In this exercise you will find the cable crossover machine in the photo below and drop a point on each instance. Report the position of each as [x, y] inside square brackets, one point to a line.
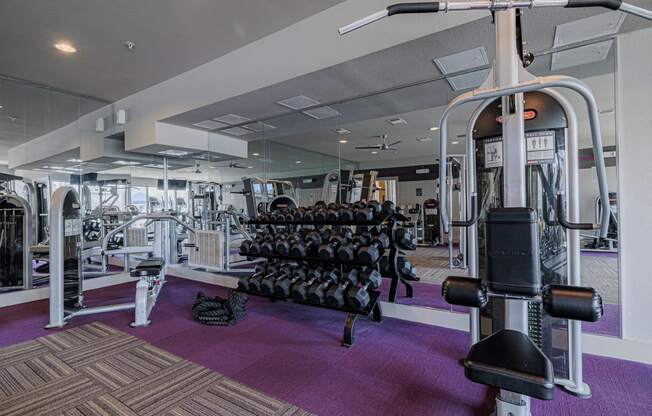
[523, 180]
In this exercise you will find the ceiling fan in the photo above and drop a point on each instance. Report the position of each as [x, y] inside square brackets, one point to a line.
[235, 166]
[383, 144]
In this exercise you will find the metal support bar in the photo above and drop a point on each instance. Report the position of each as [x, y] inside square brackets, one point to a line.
[539, 83]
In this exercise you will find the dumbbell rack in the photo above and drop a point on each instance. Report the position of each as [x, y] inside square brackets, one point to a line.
[373, 309]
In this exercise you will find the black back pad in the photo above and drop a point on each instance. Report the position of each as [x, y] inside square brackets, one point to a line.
[513, 251]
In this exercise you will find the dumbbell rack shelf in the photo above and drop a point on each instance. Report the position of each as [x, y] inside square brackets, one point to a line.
[372, 310]
[373, 223]
[390, 219]
[313, 259]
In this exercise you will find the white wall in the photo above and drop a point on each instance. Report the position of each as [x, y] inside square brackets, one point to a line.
[634, 126]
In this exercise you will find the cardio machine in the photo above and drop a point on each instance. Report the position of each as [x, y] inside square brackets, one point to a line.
[520, 235]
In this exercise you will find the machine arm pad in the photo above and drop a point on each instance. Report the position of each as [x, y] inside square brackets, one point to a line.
[403, 8]
[465, 291]
[572, 302]
[609, 4]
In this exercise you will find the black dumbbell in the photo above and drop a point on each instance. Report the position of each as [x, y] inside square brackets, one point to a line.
[299, 214]
[283, 246]
[317, 291]
[406, 270]
[372, 252]
[346, 214]
[254, 246]
[388, 207]
[245, 246]
[321, 214]
[347, 252]
[405, 239]
[368, 213]
[269, 245]
[333, 213]
[243, 282]
[282, 287]
[308, 244]
[300, 288]
[358, 296]
[368, 252]
[336, 294]
[267, 283]
[255, 284]
[328, 249]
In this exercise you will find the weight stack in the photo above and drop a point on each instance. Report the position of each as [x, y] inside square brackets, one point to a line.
[208, 252]
[137, 237]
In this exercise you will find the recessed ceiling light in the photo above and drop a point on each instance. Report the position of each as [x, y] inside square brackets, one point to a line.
[396, 121]
[298, 162]
[455, 142]
[75, 160]
[172, 152]
[65, 47]
[424, 139]
[344, 141]
[125, 163]
[250, 167]
[435, 128]
[373, 152]
[255, 154]
[0, 107]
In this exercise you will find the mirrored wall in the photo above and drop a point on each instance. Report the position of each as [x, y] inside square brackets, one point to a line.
[393, 134]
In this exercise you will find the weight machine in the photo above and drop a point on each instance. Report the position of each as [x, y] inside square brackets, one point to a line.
[66, 274]
[15, 243]
[259, 193]
[518, 179]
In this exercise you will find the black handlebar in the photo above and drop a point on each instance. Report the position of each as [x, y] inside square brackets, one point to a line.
[571, 225]
[474, 215]
[406, 8]
[609, 4]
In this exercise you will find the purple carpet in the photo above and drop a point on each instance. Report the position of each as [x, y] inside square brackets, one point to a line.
[293, 352]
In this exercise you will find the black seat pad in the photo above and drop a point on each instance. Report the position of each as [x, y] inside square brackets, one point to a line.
[149, 267]
[510, 360]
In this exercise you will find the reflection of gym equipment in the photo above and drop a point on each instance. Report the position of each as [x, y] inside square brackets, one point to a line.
[260, 192]
[15, 243]
[431, 225]
[37, 198]
[343, 186]
[66, 276]
[456, 185]
[609, 243]
[519, 259]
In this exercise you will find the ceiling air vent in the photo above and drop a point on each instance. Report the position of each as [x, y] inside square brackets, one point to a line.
[210, 125]
[321, 113]
[464, 61]
[232, 119]
[298, 103]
